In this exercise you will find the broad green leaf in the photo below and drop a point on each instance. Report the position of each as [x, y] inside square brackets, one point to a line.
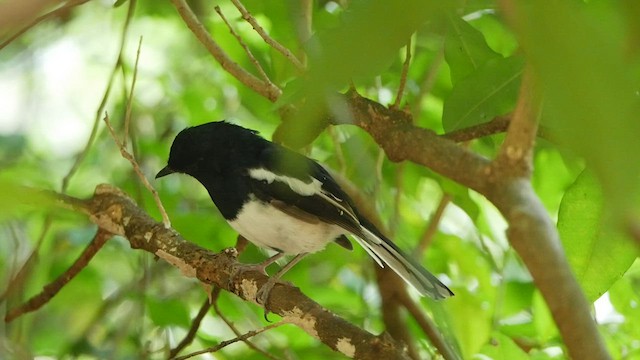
[598, 254]
[465, 49]
[366, 42]
[490, 91]
[579, 51]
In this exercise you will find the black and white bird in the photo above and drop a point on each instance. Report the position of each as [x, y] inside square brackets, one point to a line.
[283, 201]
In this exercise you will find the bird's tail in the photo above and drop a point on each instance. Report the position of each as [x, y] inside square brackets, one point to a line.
[385, 252]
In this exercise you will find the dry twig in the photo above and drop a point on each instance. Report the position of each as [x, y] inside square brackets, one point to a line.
[403, 77]
[246, 15]
[226, 343]
[195, 325]
[432, 228]
[237, 332]
[50, 290]
[263, 88]
[252, 58]
[127, 116]
[127, 155]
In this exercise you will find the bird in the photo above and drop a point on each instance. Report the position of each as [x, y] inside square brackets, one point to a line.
[283, 201]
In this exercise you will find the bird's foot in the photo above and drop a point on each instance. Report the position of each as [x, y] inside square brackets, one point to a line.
[264, 293]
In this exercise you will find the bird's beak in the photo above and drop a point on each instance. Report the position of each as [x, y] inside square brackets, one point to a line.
[165, 171]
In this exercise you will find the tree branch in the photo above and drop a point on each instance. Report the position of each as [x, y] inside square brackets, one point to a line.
[115, 212]
[515, 158]
[246, 15]
[50, 290]
[265, 89]
[497, 125]
[9, 17]
[531, 231]
[394, 131]
[247, 51]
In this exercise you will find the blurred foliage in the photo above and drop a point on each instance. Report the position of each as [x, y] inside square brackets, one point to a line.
[465, 68]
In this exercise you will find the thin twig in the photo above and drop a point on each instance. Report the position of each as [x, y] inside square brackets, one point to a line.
[428, 82]
[497, 125]
[252, 58]
[429, 328]
[195, 325]
[50, 290]
[103, 102]
[246, 15]
[226, 343]
[265, 89]
[379, 164]
[403, 77]
[303, 16]
[337, 147]
[237, 332]
[516, 152]
[23, 273]
[397, 198]
[127, 115]
[127, 155]
[432, 228]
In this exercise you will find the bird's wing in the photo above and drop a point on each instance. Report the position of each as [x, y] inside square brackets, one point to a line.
[302, 188]
[305, 188]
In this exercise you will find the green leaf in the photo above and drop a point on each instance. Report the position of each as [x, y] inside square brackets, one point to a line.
[465, 49]
[168, 312]
[490, 91]
[580, 52]
[366, 42]
[598, 254]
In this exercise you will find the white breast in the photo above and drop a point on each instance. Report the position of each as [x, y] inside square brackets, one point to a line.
[268, 227]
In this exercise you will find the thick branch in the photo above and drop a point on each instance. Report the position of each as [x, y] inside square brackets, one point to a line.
[394, 131]
[116, 213]
[533, 234]
[531, 231]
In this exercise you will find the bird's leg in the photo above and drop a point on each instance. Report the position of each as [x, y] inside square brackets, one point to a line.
[261, 267]
[263, 294]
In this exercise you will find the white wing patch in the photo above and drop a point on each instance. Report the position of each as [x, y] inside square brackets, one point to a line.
[297, 185]
[304, 189]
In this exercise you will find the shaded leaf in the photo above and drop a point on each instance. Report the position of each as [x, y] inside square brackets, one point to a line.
[490, 91]
[465, 49]
[598, 254]
[590, 86]
[365, 43]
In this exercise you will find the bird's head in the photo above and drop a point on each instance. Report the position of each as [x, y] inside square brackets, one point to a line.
[205, 149]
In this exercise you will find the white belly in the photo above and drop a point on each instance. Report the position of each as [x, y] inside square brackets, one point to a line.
[271, 228]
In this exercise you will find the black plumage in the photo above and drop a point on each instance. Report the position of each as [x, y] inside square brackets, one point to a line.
[281, 200]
